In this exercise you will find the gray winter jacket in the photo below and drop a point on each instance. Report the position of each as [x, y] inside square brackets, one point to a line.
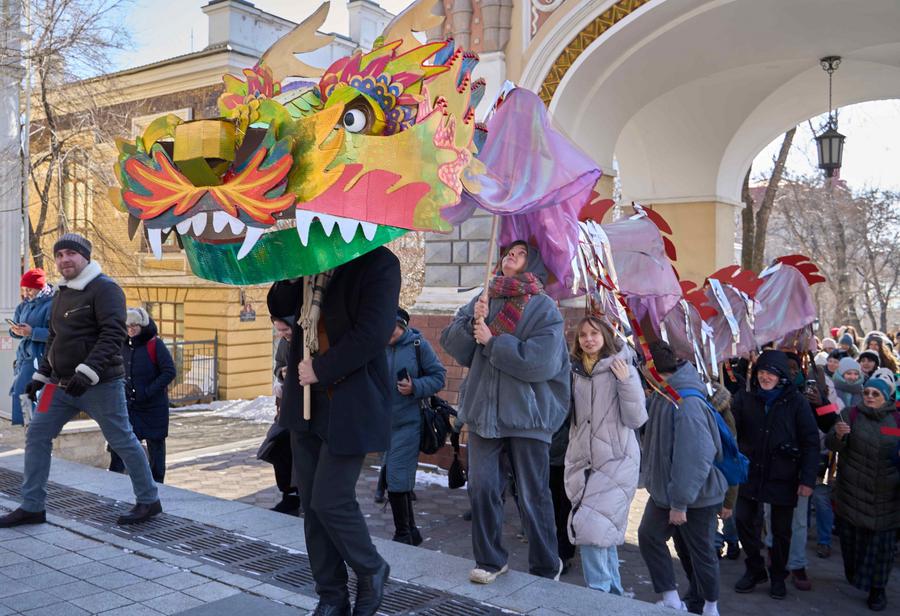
[518, 384]
[679, 447]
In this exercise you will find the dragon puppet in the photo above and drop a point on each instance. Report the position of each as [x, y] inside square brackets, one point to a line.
[298, 176]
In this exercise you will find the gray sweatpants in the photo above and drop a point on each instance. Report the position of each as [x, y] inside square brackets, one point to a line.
[697, 536]
[530, 460]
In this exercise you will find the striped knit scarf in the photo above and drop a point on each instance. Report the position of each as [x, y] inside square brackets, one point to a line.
[517, 291]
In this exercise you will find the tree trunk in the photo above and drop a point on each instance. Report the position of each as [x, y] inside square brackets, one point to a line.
[765, 208]
[747, 224]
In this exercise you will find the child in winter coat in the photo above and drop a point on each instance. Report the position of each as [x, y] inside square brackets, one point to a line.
[848, 382]
[603, 456]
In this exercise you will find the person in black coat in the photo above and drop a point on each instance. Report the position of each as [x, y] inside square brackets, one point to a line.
[350, 401]
[777, 432]
[148, 371]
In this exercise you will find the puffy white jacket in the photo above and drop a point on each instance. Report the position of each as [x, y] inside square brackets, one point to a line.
[603, 457]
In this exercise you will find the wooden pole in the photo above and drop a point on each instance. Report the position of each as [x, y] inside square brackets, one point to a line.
[492, 248]
[308, 290]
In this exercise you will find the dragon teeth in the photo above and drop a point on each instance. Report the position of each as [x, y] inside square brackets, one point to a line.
[198, 223]
[183, 227]
[347, 226]
[220, 220]
[250, 239]
[235, 225]
[304, 218]
[154, 236]
[369, 229]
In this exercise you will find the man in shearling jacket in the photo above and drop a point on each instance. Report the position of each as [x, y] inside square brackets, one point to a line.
[82, 370]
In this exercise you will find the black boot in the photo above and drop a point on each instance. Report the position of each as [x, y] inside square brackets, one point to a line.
[381, 487]
[140, 513]
[20, 517]
[370, 591]
[877, 600]
[290, 504]
[400, 508]
[413, 530]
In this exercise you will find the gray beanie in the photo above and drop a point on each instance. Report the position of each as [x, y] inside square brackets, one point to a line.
[137, 316]
[73, 241]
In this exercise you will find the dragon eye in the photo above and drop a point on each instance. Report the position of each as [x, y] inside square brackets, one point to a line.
[355, 120]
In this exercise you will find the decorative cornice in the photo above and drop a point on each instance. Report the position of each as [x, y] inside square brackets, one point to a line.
[581, 41]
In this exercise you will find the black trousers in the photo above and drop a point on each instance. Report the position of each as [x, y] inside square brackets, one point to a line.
[283, 462]
[335, 529]
[156, 453]
[749, 519]
[561, 509]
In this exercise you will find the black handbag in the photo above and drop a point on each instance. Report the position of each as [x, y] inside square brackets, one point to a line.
[457, 475]
[436, 413]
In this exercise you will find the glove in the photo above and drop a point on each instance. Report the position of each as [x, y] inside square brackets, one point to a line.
[32, 388]
[77, 385]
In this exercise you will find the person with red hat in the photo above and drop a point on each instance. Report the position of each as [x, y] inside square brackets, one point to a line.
[31, 322]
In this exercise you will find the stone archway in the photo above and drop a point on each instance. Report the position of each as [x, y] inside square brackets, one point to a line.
[685, 93]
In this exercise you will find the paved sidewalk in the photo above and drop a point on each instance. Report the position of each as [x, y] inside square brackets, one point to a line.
[76, 567]
[239, 476]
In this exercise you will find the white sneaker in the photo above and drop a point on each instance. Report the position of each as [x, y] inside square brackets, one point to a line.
[680, 608]
[483, 576]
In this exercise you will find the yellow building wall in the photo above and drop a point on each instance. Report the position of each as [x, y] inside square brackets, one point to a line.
[245, 348]
[703, 234]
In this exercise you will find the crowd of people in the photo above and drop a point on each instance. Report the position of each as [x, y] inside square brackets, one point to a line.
[569, 433]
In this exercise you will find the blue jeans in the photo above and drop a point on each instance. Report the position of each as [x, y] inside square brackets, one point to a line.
[105, 403]
[601, 568]
[821, 500]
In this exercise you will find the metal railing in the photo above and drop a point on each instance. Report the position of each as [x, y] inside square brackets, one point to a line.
[196, 371]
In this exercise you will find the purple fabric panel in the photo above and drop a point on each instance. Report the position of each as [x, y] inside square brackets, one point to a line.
[721, 329]
[785, 305]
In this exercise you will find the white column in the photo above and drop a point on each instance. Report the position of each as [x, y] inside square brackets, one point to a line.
[10, 198]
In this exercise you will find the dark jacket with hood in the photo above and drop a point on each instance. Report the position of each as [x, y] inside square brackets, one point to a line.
[87, 329]
[778, 433]
[518, 384]
[359, 312]
[867, 490]
[146, 384]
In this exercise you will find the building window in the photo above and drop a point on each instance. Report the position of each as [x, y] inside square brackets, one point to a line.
[78, 193]
[169, 317]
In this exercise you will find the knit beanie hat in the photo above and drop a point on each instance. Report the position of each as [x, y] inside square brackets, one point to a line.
[883, 386]
[775, 362]
[826, 342]
[34, 279]
[75, 242]
[848, 363]
[821, 359]
[137, 316]
[847, 339]
[869, 355]
[883, 375]
[663, 356]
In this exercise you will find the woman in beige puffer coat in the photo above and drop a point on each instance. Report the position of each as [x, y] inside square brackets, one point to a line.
[603, 457]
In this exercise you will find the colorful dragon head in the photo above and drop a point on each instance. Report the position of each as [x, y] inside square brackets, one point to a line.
[299, 176]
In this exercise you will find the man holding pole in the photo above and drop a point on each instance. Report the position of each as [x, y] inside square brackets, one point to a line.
[347, 384]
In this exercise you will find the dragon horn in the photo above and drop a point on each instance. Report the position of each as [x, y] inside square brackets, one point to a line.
[417, 17]
[279, 58]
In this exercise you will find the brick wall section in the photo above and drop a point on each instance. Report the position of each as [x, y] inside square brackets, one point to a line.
[431, 326]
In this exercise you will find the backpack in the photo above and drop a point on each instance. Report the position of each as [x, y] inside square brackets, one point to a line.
[734, 465]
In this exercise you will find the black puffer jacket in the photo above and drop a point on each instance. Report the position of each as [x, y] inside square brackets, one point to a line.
[146, 384]
[867, 494]
[87, 329]
[781, 442]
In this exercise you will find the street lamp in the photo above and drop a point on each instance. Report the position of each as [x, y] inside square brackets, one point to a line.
[830, 144]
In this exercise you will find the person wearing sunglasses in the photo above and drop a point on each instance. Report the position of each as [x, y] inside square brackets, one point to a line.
[867, 495]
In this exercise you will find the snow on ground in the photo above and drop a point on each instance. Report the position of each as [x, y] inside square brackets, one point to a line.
[428, 475]
[258, 410]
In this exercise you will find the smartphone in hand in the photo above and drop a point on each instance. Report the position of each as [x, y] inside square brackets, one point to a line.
[12, 323]
[403, 375]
